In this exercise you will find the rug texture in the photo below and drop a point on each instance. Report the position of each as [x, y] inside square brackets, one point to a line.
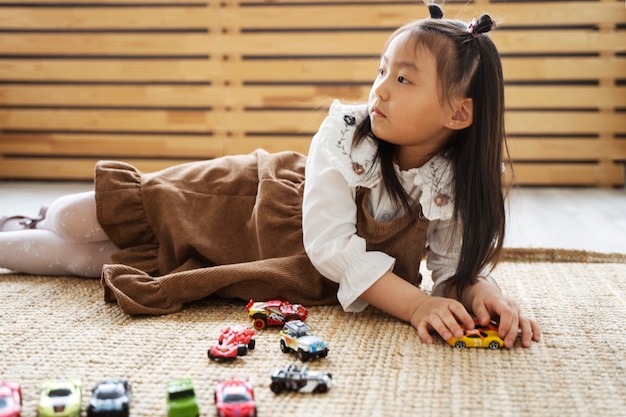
[61, 326]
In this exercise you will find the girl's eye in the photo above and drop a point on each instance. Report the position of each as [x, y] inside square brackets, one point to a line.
[403, 80]
[381, 71]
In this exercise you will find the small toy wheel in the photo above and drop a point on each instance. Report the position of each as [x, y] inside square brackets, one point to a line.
[242, 350]
[283, 347]
[251, 344]
[259, 321]
[277, 387]
[303, 356]
[460, 344]
[494, 345]
[321, 389]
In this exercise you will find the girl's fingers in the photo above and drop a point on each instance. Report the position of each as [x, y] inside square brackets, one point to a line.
[423, 331]
[526, 330]
[536, 331]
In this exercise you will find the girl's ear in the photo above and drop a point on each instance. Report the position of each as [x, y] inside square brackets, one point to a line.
[463, 116]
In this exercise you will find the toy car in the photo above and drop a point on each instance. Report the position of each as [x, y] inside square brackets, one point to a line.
[181, 398]
[294, 378]
[233, 341]
[274, 313]
[10, 399]
[60, 397]
[295, 338]
[480, 336]
[110, 398]
[235, 398]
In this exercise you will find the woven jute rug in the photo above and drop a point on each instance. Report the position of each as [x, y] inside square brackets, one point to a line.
[60, 326]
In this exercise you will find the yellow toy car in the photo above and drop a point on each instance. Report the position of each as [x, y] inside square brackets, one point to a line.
[480, 337]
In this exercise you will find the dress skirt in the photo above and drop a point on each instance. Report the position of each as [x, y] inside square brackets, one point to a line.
[230, 227]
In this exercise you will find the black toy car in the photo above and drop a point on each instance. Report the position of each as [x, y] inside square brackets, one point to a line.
[110, 398]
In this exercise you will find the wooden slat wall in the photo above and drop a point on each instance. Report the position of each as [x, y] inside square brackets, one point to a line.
[158, 82]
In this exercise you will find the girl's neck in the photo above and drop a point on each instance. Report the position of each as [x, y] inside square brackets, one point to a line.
[409, 158]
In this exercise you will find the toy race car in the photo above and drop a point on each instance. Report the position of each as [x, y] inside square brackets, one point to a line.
[295, 338]
[233, 341]
[480, 336]
[294, 378]
[235, 398]
[10, 399]
[60, 397]
[110, 398]
[181, 398]
[274, 313]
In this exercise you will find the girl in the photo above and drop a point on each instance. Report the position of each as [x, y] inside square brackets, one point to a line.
[414, 172]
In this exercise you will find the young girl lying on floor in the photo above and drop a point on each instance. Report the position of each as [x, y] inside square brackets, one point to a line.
[414, 172]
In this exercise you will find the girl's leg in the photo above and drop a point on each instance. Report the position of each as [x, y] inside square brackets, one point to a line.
[68, 241]
[73, 218]
[42, 252]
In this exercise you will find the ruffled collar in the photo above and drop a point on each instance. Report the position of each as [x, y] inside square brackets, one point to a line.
[433, 181]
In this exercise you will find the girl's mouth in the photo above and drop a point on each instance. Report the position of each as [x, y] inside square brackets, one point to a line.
[377, 113]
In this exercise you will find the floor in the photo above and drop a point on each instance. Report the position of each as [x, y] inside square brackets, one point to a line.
[568, 218]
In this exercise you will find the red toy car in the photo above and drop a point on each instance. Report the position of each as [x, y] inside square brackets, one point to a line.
[10, 399]
[274, 313]
[233, 341]
[235, 398]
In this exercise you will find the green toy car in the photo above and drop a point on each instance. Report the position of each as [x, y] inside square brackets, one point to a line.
[60, 397]
[181, 399]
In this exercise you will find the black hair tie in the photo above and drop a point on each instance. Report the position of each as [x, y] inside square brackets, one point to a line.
[481, 25]
[435, 11]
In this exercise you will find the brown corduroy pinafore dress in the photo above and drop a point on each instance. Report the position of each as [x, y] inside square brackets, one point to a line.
[229, 227]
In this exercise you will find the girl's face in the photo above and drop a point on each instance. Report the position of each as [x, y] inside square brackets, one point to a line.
[405, 107]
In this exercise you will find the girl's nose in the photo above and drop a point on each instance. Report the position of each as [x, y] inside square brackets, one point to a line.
[380, 88]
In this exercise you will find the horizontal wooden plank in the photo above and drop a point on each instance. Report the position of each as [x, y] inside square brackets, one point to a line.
[70, 168]
[566, 149]
[274, 121]
[188, 121]
[390, 15]
[155, 96]
[525, 174]
[127, 70]
[276, 71]
[109, 145]
[184, 16]
[549, 122]
[259, 44]
[113, 3]
[564, 97]
[558, 69]
[569, 174]
[303, 16]
[98, 44]
[298, 96]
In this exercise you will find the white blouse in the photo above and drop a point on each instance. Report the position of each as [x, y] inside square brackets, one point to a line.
[333, 173]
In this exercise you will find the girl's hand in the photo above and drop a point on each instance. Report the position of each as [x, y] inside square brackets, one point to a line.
[487, 302]
[442, 315]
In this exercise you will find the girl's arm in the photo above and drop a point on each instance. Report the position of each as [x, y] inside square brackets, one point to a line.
[426, 313]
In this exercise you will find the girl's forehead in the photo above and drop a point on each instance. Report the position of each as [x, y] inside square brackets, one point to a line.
[405, 47]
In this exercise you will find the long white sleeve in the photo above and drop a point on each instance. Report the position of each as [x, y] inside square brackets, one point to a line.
[329, 227]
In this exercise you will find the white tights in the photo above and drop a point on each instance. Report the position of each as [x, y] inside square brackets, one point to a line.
[69, 241]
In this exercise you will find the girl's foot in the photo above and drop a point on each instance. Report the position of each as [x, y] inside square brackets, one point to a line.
[11, 223]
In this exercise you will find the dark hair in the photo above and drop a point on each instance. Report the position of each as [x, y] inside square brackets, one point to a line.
[468, 65]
